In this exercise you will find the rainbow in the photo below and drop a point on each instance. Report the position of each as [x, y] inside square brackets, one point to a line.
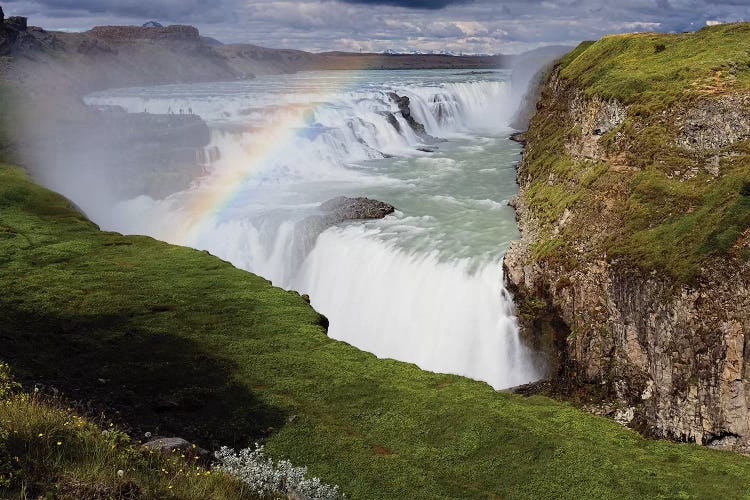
[213, 195]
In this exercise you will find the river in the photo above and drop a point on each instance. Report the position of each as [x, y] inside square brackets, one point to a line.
[423, 285]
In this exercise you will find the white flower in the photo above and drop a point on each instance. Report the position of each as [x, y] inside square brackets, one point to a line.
[120, 473]
[266, 479]
[148, 435]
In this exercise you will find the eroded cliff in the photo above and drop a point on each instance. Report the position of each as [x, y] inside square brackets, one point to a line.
[634, 206]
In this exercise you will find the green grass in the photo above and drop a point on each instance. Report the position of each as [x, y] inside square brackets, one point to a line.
[9, 120]
[49, 451]
[237, 356]
[657, 217]
[629, 67]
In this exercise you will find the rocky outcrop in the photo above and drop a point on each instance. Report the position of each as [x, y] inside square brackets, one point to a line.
[342, 209]
[161, 33]
[336, 211]
[714, 124]
[668, 357]
[132, 154]
[8, 35]
[404, 109]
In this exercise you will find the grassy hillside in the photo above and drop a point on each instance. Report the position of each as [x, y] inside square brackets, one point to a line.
[49, 451]
[655, 203]
[174, 341]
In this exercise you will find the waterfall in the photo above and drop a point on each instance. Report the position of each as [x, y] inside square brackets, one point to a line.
[405, 287]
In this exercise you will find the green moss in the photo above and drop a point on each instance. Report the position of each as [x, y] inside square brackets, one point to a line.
[664, 210]
[239, 357]
[628, 68]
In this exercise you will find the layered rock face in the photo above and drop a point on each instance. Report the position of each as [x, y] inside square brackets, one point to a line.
[669, 356]
[16, 35]
[132, 154]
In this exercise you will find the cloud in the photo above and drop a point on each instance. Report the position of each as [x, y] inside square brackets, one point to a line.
[166, 9]
[486, 26]
[411, 4]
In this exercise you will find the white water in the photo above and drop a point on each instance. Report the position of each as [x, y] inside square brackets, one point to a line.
[423, 285]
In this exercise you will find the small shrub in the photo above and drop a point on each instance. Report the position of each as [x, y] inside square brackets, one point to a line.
[265, 478]
[745, 189]
[660, 47]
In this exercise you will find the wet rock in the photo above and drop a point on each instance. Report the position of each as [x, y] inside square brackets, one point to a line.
[393, 121]
[335, 211]
[403, 103]
[343, 208]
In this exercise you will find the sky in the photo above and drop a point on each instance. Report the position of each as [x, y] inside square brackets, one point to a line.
[460, 26]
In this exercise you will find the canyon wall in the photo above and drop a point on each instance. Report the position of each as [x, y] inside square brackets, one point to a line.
[632, 272]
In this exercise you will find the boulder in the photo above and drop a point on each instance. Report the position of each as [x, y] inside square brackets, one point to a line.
[175, 444]
[344, 208]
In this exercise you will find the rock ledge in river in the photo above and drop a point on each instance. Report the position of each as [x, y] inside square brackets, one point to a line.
[343, 208]
[336, 211]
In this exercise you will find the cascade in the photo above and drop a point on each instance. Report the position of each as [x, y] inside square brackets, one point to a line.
[402, 287]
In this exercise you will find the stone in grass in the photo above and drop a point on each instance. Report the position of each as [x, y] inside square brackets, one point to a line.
[175, 444]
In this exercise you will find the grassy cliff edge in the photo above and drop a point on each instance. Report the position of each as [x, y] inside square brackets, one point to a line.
[173, 340]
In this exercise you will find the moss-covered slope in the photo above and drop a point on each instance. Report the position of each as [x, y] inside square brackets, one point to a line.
[178, 341]
[665, 199]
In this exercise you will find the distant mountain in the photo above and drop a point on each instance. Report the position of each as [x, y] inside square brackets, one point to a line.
[116, 56]
[417, 52]
[213, 42]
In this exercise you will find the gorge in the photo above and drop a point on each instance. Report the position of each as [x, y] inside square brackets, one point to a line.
[326, 272]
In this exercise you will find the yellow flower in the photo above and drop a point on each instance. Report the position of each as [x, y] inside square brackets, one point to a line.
[170, 486]
[41, 434]
[59, 443]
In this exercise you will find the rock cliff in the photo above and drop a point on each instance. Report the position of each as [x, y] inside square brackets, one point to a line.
[634, 206]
